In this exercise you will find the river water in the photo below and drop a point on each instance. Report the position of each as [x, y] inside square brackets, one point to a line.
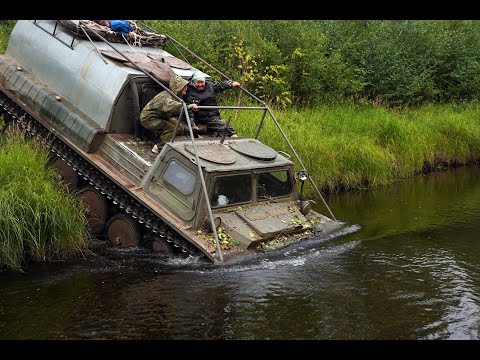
[406, 267]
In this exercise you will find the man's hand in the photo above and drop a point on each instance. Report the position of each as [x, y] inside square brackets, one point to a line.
[235, 84]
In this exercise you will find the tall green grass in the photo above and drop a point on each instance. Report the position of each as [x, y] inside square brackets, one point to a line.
[347, 147]
[39, 220]
[343, 147]
[6, 27]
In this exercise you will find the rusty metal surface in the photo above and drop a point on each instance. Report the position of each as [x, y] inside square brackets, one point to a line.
[242, 162]
[272, 219]
[238, 229]
[97, 212]
[123, 231]
[146, 57]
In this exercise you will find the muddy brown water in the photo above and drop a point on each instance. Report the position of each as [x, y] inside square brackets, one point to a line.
[406, 267]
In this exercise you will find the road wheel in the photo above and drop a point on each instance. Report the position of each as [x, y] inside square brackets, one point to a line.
[161, 245]
[66, 173]
[123, 231]
[97, 209]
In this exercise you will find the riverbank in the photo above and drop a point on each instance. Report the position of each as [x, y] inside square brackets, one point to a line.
[344, 147]
[39, 220]
[348, 147]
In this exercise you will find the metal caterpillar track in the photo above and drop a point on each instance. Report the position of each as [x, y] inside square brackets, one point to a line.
[153, 227]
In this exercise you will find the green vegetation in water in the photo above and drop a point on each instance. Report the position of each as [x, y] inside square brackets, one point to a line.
[39, 220]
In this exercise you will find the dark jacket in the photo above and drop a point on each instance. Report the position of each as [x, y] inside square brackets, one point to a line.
[206, 97]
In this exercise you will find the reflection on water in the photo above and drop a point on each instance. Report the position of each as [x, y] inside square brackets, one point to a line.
[406, 267]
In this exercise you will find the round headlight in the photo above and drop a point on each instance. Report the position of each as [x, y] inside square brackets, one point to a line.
[302, 175]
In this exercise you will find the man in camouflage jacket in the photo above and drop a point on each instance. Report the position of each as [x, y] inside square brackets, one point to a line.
[160, 115]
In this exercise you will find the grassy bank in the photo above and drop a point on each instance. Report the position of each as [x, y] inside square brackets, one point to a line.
[343, 148]
[39, 220]
[352, 147]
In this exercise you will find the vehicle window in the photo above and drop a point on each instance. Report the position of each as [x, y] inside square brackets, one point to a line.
[273, 184]
[179, 177]
[228, 190]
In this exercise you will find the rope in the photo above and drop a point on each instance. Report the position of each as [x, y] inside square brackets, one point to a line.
[123, 36]
[136, 39]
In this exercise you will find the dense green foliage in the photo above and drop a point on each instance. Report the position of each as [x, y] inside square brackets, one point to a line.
[313, 62]
[39, 220]
[393, 62]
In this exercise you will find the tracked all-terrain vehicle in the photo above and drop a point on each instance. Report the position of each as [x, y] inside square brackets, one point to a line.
[80, 93]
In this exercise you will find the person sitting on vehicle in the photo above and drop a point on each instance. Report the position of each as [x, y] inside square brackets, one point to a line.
[202, 93]
[160, 115]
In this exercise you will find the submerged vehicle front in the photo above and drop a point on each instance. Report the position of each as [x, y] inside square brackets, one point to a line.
[252, 195]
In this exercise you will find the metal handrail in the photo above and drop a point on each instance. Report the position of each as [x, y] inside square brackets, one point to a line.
[184, 112]
[54, 35]
[265, 108]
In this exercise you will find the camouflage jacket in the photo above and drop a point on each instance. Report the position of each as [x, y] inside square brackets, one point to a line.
[163, 105]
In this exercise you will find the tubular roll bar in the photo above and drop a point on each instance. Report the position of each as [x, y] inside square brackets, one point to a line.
[264, 107]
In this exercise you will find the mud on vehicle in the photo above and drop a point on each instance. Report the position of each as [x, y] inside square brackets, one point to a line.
[80, 92]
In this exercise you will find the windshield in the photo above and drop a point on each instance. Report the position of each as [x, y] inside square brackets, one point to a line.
[237, 189]
[273, 184]
[234, 189]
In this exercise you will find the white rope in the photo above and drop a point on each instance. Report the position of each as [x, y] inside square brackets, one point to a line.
[136, 39]
[123, 35]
